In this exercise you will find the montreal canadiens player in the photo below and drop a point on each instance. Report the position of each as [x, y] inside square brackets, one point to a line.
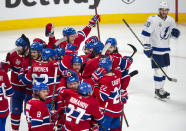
[6, 90]
[70, 35]
[37, 112]
[80, 108]
[156, 35]
[15, 60]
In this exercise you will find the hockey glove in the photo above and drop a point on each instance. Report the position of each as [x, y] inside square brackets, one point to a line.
[126, 62]
[49, 30]
[100, 72]
[67, 73]
[124, 96]
[94, 20]
[54, 116]
[175, 33]
[147, 50]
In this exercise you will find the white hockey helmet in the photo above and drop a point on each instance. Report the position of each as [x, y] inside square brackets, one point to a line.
[163, 5]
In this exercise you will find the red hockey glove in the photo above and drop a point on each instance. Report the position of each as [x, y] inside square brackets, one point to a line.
[54, 116]
[94, 20]
[126, 62]
[100, 72]
[49, 30]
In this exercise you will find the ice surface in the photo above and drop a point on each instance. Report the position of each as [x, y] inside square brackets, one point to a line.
[143, 111]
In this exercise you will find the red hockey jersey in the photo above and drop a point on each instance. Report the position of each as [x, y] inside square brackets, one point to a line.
[43, 72]
[5, 90]
[79, 110]
[37, 114]
[110, 87]
[16, 61]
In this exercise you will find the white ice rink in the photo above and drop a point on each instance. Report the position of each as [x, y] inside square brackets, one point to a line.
[143, 111]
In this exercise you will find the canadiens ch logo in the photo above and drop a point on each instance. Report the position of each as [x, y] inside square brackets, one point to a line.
[17, 62]
[128, 1]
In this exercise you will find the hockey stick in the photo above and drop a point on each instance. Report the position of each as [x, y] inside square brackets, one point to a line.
[54, 88]
[170, 79]
[29, 50]
[125, 119]
[97, 25]
[134, 50]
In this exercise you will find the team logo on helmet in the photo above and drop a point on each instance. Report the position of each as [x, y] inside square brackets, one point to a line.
[128, 1]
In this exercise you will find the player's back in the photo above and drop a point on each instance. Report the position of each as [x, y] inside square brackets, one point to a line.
[110, 92]
[79, 110]
[37, 115]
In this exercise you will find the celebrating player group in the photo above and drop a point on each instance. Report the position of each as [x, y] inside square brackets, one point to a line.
[59, 90]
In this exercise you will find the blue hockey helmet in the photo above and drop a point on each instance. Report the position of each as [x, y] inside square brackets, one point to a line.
[112, 41]
[59, 52]
[72, 79]
[69, 31]
[21, 42]
[47, 53]
[98, 47]
[89, 45]
[106, 63]
[85, 89]
[76, 59]
[38, 86]
[36, 46]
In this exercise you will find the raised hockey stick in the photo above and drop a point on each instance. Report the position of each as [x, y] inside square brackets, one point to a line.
[54, 88]
[134, 50]
[96, 12]
[170, 79]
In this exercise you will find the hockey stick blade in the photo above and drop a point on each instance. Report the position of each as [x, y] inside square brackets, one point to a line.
[134, 50]
[105, 49]
[172, 79]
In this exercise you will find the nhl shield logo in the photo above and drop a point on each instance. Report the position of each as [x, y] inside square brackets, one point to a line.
[128, 1]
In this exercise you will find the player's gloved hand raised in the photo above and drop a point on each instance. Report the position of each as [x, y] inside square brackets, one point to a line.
[100, 72]
[94, 20]
[124, 96]
[147, 50]
[126, 62]
[175, 33]
[67, 73]
[49, 30]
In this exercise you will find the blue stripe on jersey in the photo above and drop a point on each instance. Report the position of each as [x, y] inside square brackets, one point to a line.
[103, 96]
[36, 122]
[160, 49]
[16, 69]
[123, 63]
[113, 94]
[145, 33]
[124, 73]
[46, 120]
[159, 78]
[62, 67]
[82, 33]
[9, 91]
[17, 122]
[25, 80]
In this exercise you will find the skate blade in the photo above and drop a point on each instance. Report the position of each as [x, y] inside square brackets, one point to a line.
[161, 99]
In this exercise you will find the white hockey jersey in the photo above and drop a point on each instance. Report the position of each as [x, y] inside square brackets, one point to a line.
[157, 32]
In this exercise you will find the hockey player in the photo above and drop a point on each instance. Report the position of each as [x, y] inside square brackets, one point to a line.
[36, 110]
[113, 50]
[156, 35]
[111, 96]
[15, 60]
[5, 90]
[36, 49]
[76, 65]
[43, 72]
[80, 108]
[70, 35]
